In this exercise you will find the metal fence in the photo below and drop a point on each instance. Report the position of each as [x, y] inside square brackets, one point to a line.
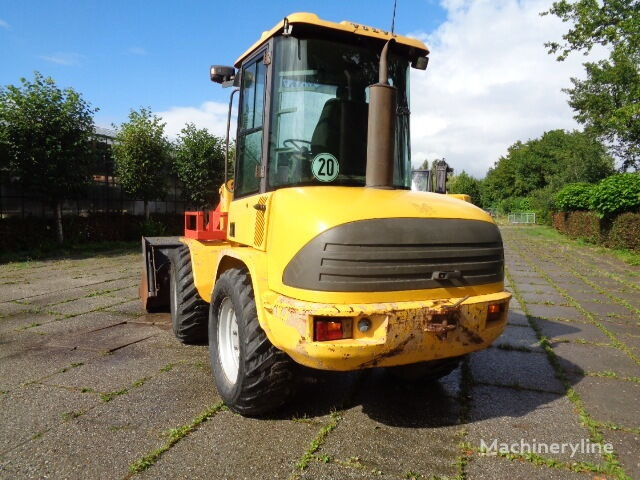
[522, 217]
[103, 195]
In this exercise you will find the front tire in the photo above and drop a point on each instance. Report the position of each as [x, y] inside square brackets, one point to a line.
[189, 312]
[251, 375]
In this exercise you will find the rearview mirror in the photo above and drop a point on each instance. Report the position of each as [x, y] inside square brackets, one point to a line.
[221, 73]
[420, 63]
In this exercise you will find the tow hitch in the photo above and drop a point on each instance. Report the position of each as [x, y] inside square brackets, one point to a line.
[444, 320]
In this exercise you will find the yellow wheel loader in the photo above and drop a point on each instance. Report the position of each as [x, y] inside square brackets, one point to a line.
[319, 253]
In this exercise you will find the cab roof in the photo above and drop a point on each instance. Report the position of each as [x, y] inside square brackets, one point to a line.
[311, 20]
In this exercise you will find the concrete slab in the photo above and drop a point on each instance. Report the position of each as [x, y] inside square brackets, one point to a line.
[626, 445]
[611, 400]
[552, 312]
[515, 416]
[109, 338]
[38, 362]
[106, 373]
[588, 358]
[30, 411]
[492, 468]
[567, 330]
[224, 447]
[513, 368]
[519, 337]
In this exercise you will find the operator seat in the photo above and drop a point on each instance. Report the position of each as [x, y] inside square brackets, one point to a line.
[342, 131]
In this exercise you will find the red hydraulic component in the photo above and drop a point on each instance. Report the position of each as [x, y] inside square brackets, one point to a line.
[206, 225]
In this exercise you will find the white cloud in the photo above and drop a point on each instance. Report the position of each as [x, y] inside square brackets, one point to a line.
[209, 115]
[4, 24]
[490, 82]
[66, 59]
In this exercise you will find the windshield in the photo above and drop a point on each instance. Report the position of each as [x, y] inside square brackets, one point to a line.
[320, 98]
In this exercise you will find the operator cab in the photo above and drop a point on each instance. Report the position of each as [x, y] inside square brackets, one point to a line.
[304, 103]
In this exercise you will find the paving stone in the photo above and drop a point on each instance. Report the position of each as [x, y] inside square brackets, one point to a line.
[350, 469]
[113, 336]
[492, 468]
[86, 305]
[8, 309]
[611, 400]
[25, 320]
[577, 358]
[123, 367]
[36, 362]
[32, 410]
[545, 298]
[607, 309]
[558, 329]
[519, 337]
[627, 447]
[79, 325]
[523, 369]
[515, 416]
[213, 452]
[419, 433]
[131, 308]
[113, 435]
[552, 312]
[517, 318]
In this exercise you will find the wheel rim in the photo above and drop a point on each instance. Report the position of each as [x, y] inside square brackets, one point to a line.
[228, 340]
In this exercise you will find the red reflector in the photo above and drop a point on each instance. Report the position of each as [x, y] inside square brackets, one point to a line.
[496, 308]
[494, 312]
[327, 330]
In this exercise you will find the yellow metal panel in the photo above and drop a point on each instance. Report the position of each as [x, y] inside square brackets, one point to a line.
[299, 214]
[250, 223]
[344, 26]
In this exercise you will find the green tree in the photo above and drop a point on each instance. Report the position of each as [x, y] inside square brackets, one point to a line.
[199, 164]
[141, 154]
[607, 101]
[546, 163]
[45, 134]
[465, 183]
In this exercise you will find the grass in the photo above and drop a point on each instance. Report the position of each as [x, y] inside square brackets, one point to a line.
[319, 440]
[175, 435]
[54, 251]
[549, 233]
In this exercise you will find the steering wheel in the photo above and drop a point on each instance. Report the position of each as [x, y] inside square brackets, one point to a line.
[299, 144]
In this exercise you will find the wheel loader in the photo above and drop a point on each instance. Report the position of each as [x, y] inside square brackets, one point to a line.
[319, 253]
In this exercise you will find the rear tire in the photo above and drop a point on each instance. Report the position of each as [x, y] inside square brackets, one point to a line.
[189, 312]
[425, 372]
[251, 375]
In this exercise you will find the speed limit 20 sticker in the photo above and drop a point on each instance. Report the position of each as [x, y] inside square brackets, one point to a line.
[325, 167]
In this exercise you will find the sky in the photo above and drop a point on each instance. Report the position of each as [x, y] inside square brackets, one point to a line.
[490, 81]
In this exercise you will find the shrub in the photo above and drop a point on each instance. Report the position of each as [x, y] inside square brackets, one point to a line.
[574, 197]
[625, 232]
[617, 193]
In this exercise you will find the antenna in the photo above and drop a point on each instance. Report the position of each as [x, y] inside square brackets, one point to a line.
[393, 19]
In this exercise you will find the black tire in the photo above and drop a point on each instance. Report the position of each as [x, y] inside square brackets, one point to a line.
[425, 372]
[264, 376]
[189, 312]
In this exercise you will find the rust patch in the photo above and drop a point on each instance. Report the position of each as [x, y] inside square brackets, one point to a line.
[443, 320]
[474, 337]
[394, 351]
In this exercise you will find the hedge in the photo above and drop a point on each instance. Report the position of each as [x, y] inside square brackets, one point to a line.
[22, 233]
[621, 231]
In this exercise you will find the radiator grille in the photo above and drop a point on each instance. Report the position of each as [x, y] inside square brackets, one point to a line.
[399, 254]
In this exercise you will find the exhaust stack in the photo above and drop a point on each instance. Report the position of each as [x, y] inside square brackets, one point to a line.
[381, 130]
